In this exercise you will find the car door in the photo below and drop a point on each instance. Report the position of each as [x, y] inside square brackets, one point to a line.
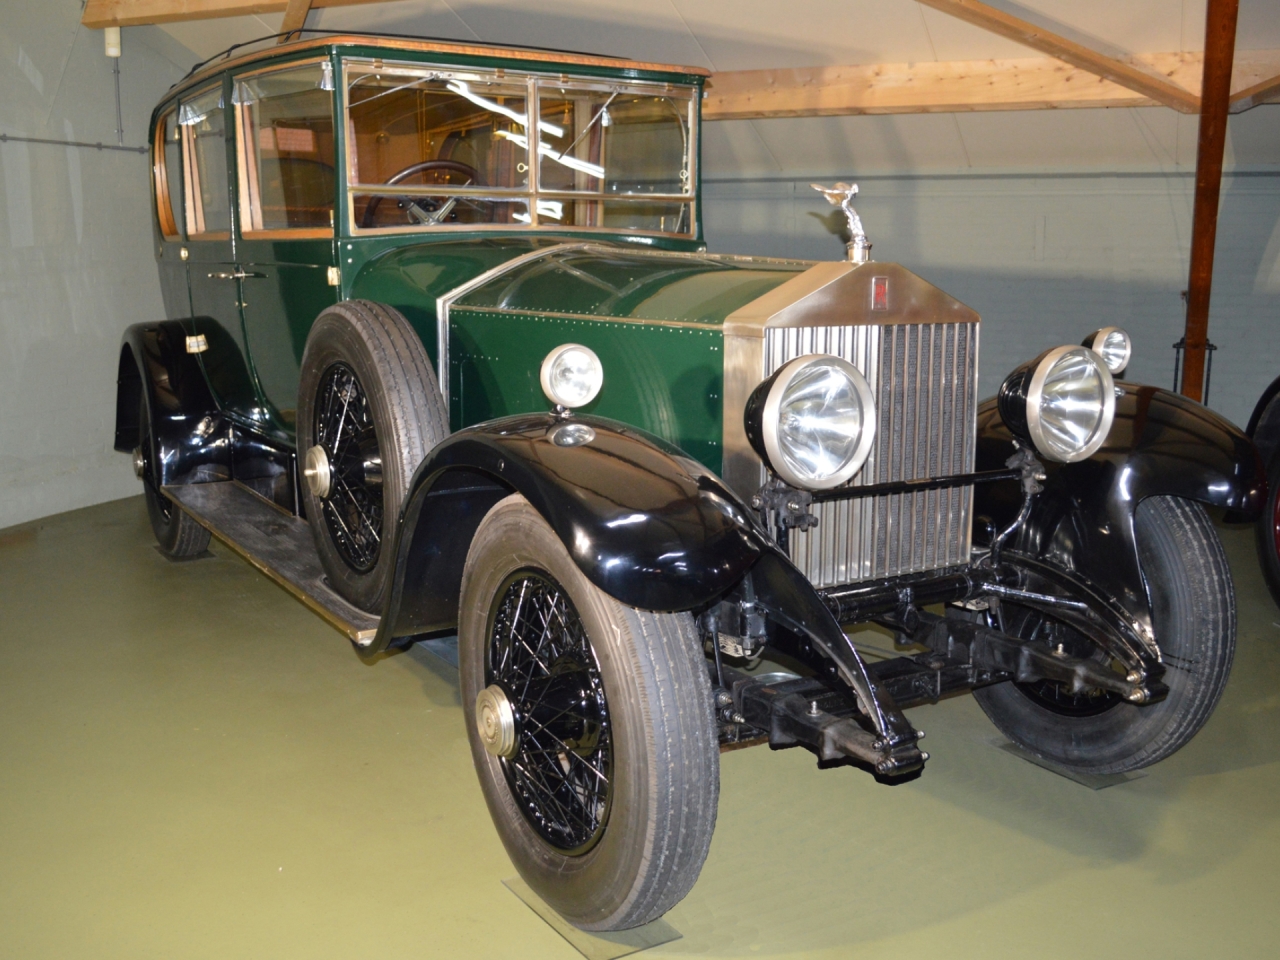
[287, 194]
[213, 276]
[172, 251]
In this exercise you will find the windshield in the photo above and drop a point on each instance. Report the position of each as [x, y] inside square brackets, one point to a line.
[433, 149]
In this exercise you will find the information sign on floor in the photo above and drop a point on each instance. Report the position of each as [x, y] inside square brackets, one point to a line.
[596, 946]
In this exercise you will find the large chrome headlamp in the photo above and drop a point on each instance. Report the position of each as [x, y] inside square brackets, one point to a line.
[571, 375]
[1113, 345]
[1063, 402]
[813, 421]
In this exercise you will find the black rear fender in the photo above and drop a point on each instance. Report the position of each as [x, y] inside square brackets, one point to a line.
[1264, 424]
[189, 437]
[1161, 444]
[646, 524]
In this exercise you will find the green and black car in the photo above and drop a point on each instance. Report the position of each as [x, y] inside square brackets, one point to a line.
[445, 354]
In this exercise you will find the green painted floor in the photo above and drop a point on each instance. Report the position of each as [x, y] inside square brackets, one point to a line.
[193, 765]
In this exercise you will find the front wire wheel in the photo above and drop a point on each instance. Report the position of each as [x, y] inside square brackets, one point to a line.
[1193, 613]
[593, 730]
[540, 657]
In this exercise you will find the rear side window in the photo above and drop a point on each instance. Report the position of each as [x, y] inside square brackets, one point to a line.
[167, 170]
[207, 196]
[285, 122]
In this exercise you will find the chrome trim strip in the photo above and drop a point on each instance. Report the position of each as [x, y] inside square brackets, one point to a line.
[598, 318]
[445, 301]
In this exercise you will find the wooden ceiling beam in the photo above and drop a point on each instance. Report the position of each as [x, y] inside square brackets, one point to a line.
[1264, 91]
[295, 18]
[896, 88]
[132, 13]
[1117, 71]
[1036, 83]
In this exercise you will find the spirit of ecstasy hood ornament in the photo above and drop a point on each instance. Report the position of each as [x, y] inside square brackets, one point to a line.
[841, 195]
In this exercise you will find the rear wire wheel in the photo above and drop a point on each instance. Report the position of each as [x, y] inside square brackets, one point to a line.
[1193, 613]
[178, 536]
[603, 778]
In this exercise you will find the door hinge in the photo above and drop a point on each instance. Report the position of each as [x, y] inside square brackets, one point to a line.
[197, 344]
[335, 276]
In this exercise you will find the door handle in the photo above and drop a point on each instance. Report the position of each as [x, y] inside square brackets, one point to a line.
[238, 275]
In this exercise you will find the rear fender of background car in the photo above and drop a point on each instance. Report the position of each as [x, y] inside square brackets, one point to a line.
[1264, 424]
[645, 523]
[1161, 444]
[189, 435]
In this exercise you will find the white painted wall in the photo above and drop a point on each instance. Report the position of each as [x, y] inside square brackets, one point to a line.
[1049, 223]
[1046, 258]
[76, 265]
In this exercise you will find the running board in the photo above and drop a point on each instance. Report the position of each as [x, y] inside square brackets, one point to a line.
[277, 543]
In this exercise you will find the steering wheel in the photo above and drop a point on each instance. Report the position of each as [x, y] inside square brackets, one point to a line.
[411, 204]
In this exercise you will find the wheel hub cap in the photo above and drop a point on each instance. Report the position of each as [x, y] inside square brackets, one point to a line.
[316, 471]
[496, 721]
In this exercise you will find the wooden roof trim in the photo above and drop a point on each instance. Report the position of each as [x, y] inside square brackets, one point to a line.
[437, 46]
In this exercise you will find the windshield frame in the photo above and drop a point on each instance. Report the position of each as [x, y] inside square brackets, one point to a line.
[538, 85]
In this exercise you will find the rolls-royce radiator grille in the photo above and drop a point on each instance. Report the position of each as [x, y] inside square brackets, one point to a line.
[924, 378]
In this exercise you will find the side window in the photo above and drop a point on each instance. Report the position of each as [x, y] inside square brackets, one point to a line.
[207, 198]
[630, 149]
[285, 122]
[167, 171]
[458, 142]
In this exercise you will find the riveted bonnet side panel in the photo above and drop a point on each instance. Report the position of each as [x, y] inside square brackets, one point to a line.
[653, 318]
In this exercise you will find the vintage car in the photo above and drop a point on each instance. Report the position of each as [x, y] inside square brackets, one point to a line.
[434, 379]
[1264, 429]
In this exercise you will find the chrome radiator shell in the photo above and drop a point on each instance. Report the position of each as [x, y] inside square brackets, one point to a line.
[924, 379]
[920, 357]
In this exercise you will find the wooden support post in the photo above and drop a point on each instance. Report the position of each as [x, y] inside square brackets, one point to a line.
[1215, 92]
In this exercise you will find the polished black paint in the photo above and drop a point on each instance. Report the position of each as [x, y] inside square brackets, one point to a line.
[1161, 444]
[792, 602]
[645, 523]
[190, 437]
[1011, 401]
[753, 417]
[192, 440]
[1264, 423]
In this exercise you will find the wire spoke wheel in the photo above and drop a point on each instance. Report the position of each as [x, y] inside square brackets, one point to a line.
[369, 411]
[176, 533]
[540, 655]
[344, 428]
[606, 808]
[1194, 620]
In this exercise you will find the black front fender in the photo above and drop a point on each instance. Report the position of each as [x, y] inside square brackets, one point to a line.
[645, 523]
[1161, 444]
